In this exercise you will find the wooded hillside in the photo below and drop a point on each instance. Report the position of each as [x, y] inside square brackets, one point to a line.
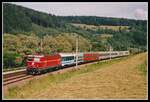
[24, 28]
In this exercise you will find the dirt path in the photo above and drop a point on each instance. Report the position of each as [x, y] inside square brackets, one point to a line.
[118, 81]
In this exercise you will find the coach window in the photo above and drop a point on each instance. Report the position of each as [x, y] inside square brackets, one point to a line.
[69, 58]
[63, 58]
[72, 58]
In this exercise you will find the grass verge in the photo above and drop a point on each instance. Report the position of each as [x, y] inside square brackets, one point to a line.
[12, 69]
[143, 68]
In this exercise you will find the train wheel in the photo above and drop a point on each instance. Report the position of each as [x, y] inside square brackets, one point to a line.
[33, 72]
[57, 68]
[44, 71]
[38, 72]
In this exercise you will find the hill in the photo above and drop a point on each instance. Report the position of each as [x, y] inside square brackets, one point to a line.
[21, 24]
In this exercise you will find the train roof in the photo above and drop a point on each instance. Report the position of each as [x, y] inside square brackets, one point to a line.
[67, 54]
[79, 53]
[35, 55]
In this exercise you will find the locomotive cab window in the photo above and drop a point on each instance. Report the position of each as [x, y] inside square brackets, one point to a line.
[36, 59]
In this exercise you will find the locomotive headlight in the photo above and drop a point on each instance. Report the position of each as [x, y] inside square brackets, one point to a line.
[32, 63]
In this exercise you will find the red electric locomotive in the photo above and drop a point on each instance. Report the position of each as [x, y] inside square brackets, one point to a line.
[39, 63]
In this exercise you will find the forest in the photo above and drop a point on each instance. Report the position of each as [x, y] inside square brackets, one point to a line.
[27, 31]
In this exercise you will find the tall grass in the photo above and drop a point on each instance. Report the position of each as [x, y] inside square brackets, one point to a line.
[143, 68]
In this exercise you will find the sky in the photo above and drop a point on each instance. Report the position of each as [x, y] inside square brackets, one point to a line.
[131, 10]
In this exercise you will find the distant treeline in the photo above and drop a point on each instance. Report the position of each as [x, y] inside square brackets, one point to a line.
[21, 19]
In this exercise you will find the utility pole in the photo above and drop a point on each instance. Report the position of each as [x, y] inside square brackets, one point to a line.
[77, 50]
[90, 47]
[41, 45]
[110, 49]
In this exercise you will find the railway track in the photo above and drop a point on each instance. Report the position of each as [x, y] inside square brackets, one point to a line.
[13, 77]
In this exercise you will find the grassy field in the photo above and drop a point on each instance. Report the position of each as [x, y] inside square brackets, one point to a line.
[143, 68]
[118, 78]
[103, 37]
[92, 27]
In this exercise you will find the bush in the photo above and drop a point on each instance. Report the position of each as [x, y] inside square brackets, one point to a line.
[11, 60]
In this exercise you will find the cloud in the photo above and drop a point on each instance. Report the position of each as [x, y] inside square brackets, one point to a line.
[131, 10]
[140, 14]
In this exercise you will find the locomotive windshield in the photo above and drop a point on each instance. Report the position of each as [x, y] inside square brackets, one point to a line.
[36, 59]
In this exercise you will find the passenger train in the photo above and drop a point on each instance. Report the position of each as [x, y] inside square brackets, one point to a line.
[36, 64]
